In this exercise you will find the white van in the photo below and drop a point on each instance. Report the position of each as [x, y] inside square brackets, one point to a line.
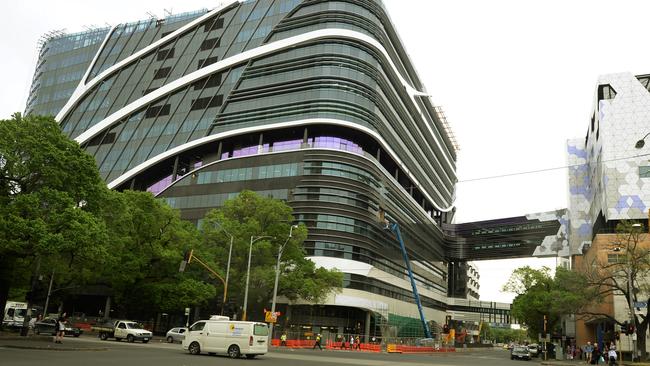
[221, 335]
[14, 314]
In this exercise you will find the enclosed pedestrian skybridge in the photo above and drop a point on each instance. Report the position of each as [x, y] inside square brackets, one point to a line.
[533, 235]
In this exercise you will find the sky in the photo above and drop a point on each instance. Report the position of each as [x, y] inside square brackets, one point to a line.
[515, 78]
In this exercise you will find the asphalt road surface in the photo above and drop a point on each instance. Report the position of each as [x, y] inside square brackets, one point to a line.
[163, 354]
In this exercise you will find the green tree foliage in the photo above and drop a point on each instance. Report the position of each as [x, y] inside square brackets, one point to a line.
[49, 190]
[507, 335]
[252, 215]
[540, 294]
[147, 243]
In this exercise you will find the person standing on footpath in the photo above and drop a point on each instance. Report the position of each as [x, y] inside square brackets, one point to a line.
[612, 355]
[283, 340]
[595, 355]
[357, 343]
[59, 330]
[589, 349]
[351, 342]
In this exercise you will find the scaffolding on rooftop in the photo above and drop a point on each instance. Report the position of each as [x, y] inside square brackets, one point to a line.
[450, 133]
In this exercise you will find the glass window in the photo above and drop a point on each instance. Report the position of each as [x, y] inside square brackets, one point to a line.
[197, 326]
[260, 329]
[644, 172]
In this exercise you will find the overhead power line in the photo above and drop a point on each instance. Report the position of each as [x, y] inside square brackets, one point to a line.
[546, 169]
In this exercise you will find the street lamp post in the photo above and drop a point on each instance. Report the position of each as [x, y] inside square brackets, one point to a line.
[641, 143]
[232, 238]
[248, 270]
[277, 278]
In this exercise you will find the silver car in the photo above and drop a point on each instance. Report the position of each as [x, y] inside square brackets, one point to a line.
[520, 352]
[176, 334]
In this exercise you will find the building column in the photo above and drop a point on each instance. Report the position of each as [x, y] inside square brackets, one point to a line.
[367, 330]
[175, 169]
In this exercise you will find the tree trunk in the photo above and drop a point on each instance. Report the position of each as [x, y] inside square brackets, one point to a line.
[4, 294]
[6, 267]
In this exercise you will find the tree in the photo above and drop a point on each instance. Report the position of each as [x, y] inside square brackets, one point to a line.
[252, 215]
[541, 295]
[148, 239]
[49, 194]
[626, 275]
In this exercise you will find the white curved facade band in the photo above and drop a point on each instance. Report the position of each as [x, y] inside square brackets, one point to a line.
[360, 268]
[245, 56]
[84, 87]
[81, 88]
[207, 139]
[84, 79]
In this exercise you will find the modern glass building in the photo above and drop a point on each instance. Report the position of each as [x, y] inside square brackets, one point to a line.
[312, 102]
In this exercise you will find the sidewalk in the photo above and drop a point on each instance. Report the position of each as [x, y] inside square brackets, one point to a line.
[42, 342]
[580, 362]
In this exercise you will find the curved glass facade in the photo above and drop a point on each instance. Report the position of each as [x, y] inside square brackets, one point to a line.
[310, 102]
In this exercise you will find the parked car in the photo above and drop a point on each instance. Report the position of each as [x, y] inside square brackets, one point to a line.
[176, 334]
[520, 353]
[534, 349]
[48, 326]
[123, 329]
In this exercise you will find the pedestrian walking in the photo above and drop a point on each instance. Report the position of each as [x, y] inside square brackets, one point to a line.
[283, 340]
[317, 342]
[343, 342]
[32, 324]
[357, 342]
[351, 342]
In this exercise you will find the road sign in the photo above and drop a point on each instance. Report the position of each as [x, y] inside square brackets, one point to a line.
[271, 317]
[187, 311]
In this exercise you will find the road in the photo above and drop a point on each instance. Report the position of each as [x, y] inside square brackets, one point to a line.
[163, 354]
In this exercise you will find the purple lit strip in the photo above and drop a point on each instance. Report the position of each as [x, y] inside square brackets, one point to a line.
[245, 151]
[337, 143]
[328, 142]
[160, 185]
[287, 145]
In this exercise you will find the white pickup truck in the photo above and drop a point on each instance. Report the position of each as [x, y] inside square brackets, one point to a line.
[123, 329]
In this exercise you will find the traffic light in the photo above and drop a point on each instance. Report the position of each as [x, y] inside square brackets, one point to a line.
[625, 327]
[445, 329]
[630, 328]
[187, 258]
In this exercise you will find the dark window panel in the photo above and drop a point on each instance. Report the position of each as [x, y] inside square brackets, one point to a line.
[207, 61]
[167, 33]
[213, 24]
[157, 110]
[147, 91]
[211, 43]
[162, 73]
[101, 140]
[207, 102]
[209, 82]
[165, 54]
